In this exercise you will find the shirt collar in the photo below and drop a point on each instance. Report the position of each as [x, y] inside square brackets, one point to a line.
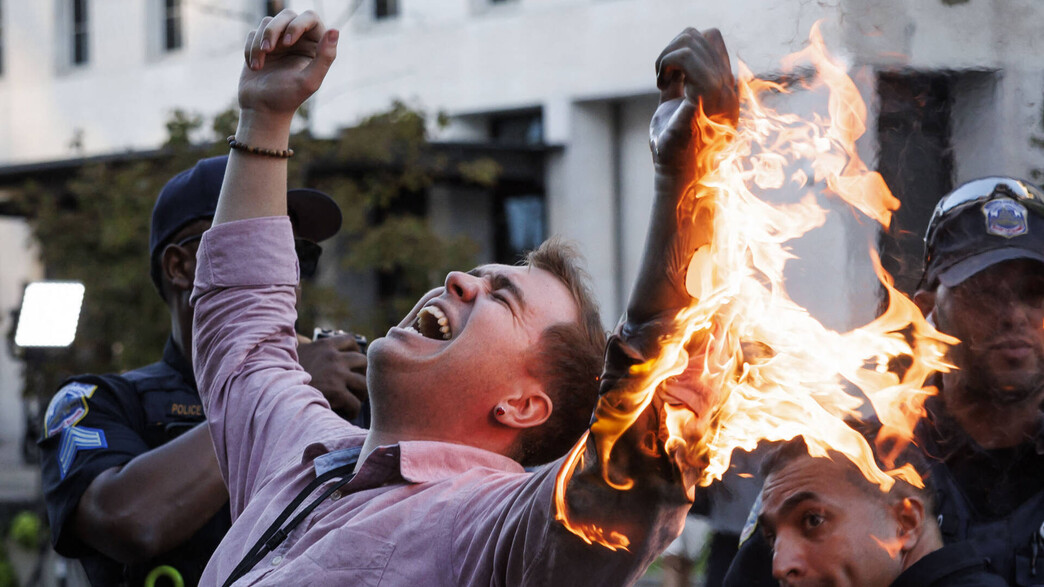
[946, 432]
[338, 458]
[950, 559]
[423, 461]
[1038, 444]
[415, 461]
[173, 357]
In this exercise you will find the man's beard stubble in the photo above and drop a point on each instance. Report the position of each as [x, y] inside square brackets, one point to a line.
[982, 384]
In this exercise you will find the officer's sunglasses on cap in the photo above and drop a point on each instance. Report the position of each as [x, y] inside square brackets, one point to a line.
[308, 253]
[188, 239]
[980, 191]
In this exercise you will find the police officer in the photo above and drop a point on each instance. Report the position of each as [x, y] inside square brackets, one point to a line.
[131, 482]
[983, 283]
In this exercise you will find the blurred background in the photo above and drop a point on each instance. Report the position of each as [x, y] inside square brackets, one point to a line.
[451, 132]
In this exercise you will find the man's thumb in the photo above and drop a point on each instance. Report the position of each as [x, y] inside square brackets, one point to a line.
[327, 52]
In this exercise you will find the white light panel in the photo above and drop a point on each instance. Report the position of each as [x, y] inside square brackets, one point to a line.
[50, 312]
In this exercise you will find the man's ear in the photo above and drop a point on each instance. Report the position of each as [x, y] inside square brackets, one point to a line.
[909, 513]
[527, 408]
[925, 300]
[179, 267]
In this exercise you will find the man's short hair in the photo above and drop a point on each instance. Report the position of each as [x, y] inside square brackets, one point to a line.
[568, 361]
[795, 448]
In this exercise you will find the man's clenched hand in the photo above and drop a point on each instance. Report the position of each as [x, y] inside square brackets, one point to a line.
[287, 57]
[694, 68]
[338, 369]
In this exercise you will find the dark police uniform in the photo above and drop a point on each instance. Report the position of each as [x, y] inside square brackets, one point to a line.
[96, 422]
[956, 565]
[992, 499]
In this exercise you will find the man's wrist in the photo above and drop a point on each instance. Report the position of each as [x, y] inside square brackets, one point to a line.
[264, 129]
[671, 178]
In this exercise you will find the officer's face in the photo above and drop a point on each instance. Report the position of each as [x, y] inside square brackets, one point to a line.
[998, 314]
[826, 531]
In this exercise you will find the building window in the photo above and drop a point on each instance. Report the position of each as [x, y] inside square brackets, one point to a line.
[385, 9]
[274, 7]
[915, 158]
[521, 128]
[524, 221]
[171, 24]
[79, 32]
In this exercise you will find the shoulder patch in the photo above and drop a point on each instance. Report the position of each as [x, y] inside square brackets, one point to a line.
[1005, 217]
[751, 525]
[68, 407]
[76, 438]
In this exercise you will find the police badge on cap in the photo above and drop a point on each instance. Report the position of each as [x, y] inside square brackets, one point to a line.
[1005, 217]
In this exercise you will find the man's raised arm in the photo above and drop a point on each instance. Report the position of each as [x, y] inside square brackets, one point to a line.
[694, 69]
[245, 347]
[287, 58]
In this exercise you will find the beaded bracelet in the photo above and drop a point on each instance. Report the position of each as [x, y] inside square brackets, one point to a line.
[280, 154]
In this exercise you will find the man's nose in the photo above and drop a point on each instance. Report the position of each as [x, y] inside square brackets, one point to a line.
[1011, 311]
[788, 560]
[463, 285]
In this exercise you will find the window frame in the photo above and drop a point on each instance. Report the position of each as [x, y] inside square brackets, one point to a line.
[172, 20]
[79, 33]
[394, 8]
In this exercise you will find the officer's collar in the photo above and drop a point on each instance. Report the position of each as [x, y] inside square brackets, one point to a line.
[949, 435]
[1040, 437]
[173, 357]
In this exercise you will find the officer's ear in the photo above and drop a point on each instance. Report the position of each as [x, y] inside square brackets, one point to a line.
[179, 266]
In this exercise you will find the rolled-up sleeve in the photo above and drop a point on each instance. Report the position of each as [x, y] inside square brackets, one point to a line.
[259, 407]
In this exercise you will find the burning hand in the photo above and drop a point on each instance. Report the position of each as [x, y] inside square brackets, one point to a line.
[692, 71]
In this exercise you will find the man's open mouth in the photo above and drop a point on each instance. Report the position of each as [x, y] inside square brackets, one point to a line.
[1011, 344]
[431, 322]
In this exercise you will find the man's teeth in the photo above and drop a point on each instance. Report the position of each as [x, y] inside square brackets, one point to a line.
[432, 323]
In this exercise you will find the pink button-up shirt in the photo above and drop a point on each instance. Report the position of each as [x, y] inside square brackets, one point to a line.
[416, 514]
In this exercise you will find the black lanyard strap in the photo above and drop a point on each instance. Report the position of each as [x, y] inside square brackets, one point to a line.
[276, 533]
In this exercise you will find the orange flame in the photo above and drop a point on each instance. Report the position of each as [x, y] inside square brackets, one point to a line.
[591, 533]
[799, 387]
[892, 546]
[775, 371]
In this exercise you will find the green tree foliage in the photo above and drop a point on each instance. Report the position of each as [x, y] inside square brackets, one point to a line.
[381, 193]
[94, 226]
